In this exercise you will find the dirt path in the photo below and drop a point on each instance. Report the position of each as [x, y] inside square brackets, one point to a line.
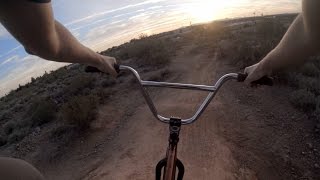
[242, 135]
[142, 142]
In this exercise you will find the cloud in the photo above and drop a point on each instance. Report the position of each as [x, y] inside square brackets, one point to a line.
[11, 51]
[12, 58]
[30, 66]
[95, 15]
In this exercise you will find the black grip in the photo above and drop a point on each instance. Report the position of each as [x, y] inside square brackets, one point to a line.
[91, 69]
[265, 80]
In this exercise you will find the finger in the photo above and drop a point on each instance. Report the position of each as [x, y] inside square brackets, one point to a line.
[246, 70]
[251, 77]
[113, 72]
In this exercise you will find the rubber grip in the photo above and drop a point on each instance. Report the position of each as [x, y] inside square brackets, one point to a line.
[91, 69]
[265, 80]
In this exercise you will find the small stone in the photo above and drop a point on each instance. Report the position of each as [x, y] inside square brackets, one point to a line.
[315, 150]
[303, 153]
[316, 166]
[309, 145]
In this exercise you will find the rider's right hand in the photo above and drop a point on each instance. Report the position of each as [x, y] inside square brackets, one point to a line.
[107, 65]
[256, 71]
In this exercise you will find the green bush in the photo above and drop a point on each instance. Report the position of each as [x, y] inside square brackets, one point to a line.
[304, 99]
[80, 111]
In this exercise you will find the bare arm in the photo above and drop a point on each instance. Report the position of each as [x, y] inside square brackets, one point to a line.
[300, 42]
[33, 25]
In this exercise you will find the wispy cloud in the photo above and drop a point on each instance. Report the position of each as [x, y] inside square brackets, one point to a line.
[13, 58]
[11, 51]
[30, 66]
[111, 11]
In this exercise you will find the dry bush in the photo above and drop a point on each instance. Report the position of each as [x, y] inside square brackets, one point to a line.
[149, 51]
[310, 69]
[18, 135]
[80, 111]
[41, 111]
[78, 83]
[304, 99]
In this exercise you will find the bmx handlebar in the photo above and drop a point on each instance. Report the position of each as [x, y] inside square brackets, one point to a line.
[211, 89]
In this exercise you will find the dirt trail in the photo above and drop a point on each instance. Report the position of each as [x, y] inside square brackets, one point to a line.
[143, 141]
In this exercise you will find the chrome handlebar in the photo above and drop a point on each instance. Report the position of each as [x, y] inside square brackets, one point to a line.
[211, 89]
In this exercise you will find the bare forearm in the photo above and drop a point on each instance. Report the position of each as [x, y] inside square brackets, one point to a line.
[300, 42]
[46, 37]
[293, 49]
[71, 50]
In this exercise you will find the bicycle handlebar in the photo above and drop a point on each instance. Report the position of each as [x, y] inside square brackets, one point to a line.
[211, 89]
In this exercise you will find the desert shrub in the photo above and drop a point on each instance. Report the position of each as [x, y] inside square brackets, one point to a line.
[148, 51]
[9, 126]
[310, 83]
[41, 111]
[108, 82]
[304, 99]
[78, 83]
[310, 69]
[80, 111]
[270, 29]
[6, 115]
[101, 94]
[3, 139]
[17, 135]
[206, 36]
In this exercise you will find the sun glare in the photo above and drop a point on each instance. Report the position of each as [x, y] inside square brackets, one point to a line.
[207, 10]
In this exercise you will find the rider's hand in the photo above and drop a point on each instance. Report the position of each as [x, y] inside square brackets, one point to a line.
[107, 65]
[256, 72]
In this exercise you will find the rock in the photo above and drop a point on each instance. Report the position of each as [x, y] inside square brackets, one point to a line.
[316, 165]
[309, 145]
[303, 153]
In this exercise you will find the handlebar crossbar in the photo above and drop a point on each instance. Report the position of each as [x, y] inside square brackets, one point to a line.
[211, 89]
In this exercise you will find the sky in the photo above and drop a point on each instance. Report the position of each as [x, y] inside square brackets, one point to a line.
[100, 24]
